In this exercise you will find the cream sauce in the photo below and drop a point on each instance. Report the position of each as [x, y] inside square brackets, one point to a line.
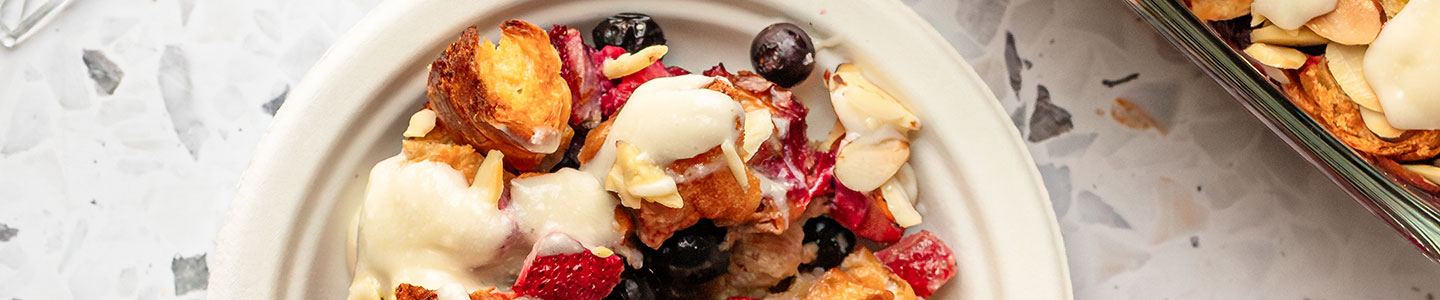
[567, 201]
[422, 224]
[673, 118]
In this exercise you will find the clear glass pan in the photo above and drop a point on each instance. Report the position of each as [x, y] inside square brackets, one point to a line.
[1413, 213]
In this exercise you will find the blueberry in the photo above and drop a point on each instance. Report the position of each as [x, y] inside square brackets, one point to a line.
[832, 242]
[783, 54]
[632, 31]
[691, 256]
[634, 285]
[571, 158]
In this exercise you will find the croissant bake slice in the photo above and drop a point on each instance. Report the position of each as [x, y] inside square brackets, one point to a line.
[716, 194]
[1338, 113]
[507, 97]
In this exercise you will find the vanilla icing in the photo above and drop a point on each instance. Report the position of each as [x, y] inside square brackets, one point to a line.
[1403, 63]
[567, 201]
[673, 118]
[1291, 14]
[422, 224]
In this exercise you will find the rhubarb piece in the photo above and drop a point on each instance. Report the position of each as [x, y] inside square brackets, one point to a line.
[921, 259]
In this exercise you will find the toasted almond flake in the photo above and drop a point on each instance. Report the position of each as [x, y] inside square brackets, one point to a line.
[635, 177]
[864, 166]
[1392, 7]
[629, 63]
[1256, 20]
[863, 106]
[899, 195]
[490, 176]
[421, 123]
[602, 251]
[1378, 124]
[1347, 64]
[758, 128]
[1431, 173]
[1353, 22]
[1276, 56]
[1274, 35]
[1219, 10]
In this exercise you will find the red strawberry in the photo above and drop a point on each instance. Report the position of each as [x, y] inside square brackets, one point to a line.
[922, 260]
[578, 275]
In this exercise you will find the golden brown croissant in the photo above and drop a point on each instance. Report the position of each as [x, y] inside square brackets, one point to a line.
[508, 97]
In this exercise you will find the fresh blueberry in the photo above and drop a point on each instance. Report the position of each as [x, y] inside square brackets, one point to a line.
[634, 285]
[632, 31]
[783, 54]
[832, 242]
[691, 256]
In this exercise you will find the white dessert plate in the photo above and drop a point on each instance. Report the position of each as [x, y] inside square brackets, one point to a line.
[979, 191]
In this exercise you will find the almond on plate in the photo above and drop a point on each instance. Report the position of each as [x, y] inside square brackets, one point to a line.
[1274, 35]
[1354, 22]
[1276, 56]
[1219, 10]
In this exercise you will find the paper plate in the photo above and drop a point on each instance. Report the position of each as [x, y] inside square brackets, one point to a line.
[979, 190]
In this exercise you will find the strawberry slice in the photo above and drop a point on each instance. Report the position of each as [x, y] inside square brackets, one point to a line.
[922, 259]
[560, 268]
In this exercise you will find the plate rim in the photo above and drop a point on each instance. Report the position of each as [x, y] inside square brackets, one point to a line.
[249, 223]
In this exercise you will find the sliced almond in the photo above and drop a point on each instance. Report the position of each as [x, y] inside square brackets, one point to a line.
[863, 106]
[1274, 35]
[1431, 173]
[1291, 14]
[1347, 64]
[758, 128]
[1378, 124]
[490, 176]
[635, 176]
[421, 123]
[602, 251]
[864, 166]
[629, 63]
[1276, 56]
[1219, 10]
[1392, 7]
[1354, 22]
[1256, 20]
[899, 194]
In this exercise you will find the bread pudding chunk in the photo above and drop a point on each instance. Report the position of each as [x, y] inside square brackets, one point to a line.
[665, 120]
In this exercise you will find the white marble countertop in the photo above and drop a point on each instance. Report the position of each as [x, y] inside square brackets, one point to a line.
[124, 126]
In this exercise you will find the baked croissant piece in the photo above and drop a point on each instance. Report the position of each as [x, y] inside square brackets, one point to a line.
[509, 97]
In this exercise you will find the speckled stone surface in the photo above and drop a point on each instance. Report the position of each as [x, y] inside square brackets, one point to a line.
[124, 126]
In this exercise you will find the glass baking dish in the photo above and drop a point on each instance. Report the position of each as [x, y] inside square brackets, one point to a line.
[1412, 212]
